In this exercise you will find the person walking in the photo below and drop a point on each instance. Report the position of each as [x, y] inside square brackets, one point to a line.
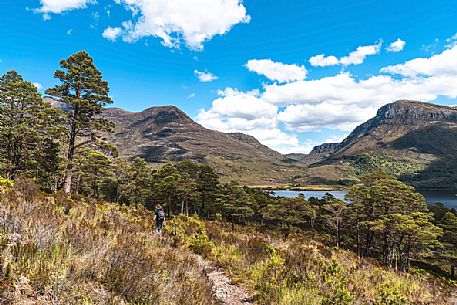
[159, 218]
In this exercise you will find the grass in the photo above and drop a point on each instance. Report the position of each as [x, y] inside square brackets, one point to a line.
[302, 270]
[54, 250]
[59, 251]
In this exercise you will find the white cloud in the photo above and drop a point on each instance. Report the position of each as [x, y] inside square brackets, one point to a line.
[38, 86]
[276, 71]
[112, 33]
[245, 112]
[59, 6]
[451, 41]
[441, 64]
[335, 139]
[358, 56]
[175, 21]
[205, 76]
[192, 95]
[70, 31]
[323, 61]
[396, 46]
[339, 102]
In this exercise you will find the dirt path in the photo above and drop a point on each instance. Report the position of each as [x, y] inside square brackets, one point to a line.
[224, 291]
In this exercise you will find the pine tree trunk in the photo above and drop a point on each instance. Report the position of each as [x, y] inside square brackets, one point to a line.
[71, 154]
[338, 238]
[67, 181]
[386, 250]
[452, 271]
[359, 254]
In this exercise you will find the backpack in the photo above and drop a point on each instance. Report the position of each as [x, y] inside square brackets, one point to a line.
[160, 215]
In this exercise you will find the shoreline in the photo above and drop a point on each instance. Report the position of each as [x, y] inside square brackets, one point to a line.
[299, 188]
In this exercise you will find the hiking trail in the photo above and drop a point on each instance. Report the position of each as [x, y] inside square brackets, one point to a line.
[222, 288]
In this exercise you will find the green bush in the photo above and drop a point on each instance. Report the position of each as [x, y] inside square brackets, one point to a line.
[201, 244]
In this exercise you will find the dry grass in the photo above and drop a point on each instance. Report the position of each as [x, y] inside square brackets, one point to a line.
[300, 270]
[58, 251]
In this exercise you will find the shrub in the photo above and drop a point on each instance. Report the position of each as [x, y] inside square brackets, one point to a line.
[27, 187]
[93, 253]
[201, 244]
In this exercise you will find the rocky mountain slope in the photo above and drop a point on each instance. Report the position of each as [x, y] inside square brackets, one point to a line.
[416, 141]
[162, 134]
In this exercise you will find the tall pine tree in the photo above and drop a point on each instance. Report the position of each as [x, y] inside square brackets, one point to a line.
[85, 92]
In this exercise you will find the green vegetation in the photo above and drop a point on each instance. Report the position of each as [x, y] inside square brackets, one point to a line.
[299, 269]
[30, 131]
[366, 163]
[76, 226]
[57, 250]
[85, 93]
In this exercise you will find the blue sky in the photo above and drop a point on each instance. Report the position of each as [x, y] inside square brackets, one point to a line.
[245, 66]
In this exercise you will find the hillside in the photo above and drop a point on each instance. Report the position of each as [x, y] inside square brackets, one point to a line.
[413, 140]
[57, 250]
[166, 134]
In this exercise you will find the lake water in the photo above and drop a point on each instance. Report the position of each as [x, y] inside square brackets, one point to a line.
[446, 198]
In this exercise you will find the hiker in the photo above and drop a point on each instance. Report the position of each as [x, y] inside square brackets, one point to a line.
[159, 218]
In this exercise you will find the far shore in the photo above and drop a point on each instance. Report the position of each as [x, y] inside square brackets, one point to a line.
[298, 188]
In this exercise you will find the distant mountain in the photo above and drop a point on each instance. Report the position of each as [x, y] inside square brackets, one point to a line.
[413, 140]
[166, 134]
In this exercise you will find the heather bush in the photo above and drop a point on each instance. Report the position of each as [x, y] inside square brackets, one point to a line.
[300, 270]
[58, 251]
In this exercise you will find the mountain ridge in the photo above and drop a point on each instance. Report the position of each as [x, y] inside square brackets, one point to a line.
[415, 140]
[166, 134]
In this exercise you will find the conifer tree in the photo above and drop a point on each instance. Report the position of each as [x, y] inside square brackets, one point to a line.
[85, 92]
[449, 253]
[30, 130]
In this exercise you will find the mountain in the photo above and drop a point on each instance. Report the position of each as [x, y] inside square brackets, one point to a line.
[166, 134]
[413, 140]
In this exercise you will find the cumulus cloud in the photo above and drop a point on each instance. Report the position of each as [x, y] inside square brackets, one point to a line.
[245, 112]
[323, 61]
[358, 56]
[277, 71]
[112, 33]
[38, 86]
[190, 21]
[441, 64]
[339, 102]
[396, 46]
[59, 6]
[205, 77]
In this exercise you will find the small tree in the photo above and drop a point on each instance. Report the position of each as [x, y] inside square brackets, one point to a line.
[236, 204]
[286, 214]
[135, 182]
[335, 210]
[85, 92]
[94, 174]
[449, 252]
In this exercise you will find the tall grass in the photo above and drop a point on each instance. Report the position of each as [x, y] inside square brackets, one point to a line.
[59, 251]
[300, 270]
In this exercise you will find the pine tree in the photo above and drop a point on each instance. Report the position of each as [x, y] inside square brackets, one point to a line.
[208, 189]
[235, 203]
[30, 130]
[449, 253]
[286, 214]
[335, 210]
[136, 183]
[85, 92]
[94, 173]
